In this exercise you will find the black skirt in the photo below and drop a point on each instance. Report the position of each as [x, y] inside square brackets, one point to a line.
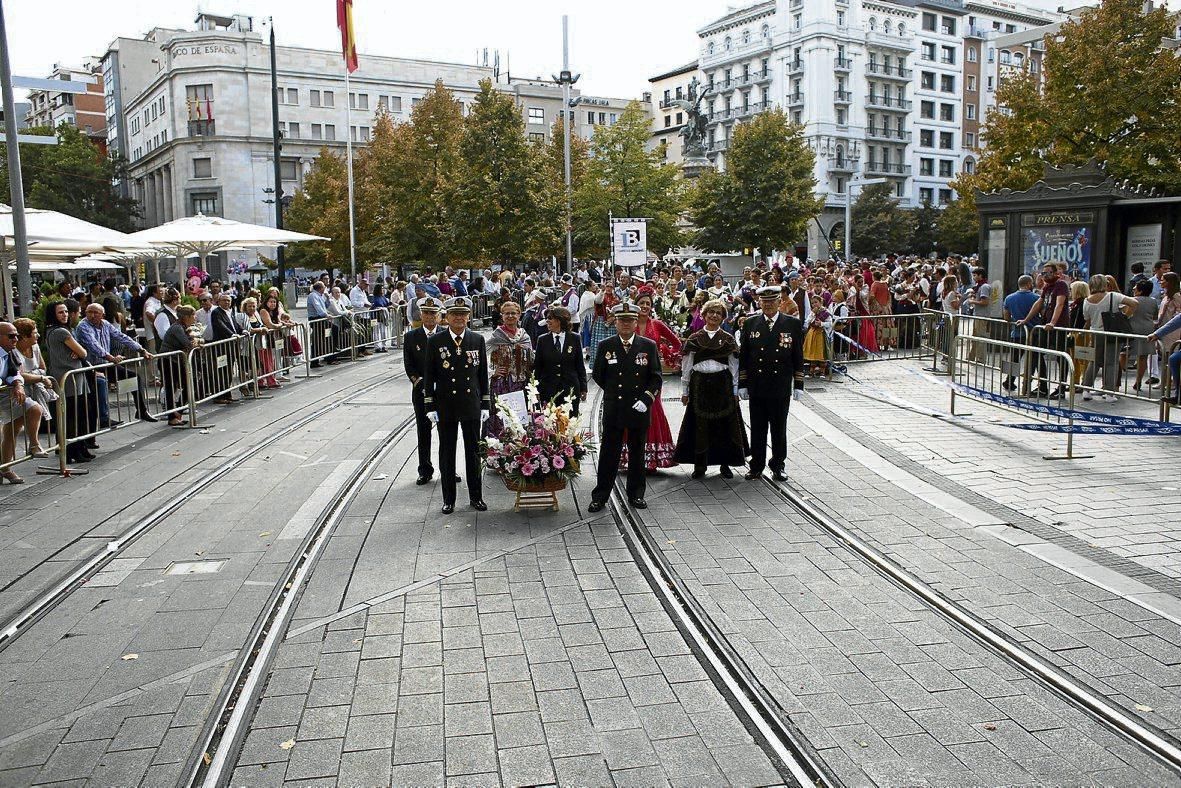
[712, 432]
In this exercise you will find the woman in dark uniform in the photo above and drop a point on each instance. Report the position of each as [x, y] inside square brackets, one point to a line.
[711, 431]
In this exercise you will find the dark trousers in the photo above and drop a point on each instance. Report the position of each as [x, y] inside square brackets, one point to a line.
[768, 413]
[610, 450]
[448, 437]
[423, 423]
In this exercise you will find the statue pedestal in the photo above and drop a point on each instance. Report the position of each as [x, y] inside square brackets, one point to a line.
[695, 167]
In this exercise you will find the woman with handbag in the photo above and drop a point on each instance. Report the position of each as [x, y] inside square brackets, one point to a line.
[1106, 312]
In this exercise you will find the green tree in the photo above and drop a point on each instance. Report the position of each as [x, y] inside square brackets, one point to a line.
[321, 208]
[551, 237]
[74, 177]
[627, 180]
[958, 227]
[924, 237]
[407, 171]
[1109, 90]
[764, 199]
[493, 208]
[879, 225]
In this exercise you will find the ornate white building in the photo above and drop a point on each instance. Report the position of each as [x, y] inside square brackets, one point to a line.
[885, 89]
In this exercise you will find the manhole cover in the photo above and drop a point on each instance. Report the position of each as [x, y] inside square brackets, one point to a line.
[194, 567]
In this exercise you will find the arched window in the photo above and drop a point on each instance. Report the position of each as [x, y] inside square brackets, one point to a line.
[1018, 59]
[840, 155]
[727, 43]
[969, 166]
[887, 27]
[710, 48]
[766, 31]
[745, 36]
[1006, 58]
[901, 28]
[873, 23]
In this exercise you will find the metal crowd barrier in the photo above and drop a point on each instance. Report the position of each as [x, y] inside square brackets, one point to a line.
[370, 329]
[112, 395]
[1021, 367]
[217, 369]
[880, 338]
[12, 451]
[482, 309]
[1167, 383]
[324, 339]
[1092, 350]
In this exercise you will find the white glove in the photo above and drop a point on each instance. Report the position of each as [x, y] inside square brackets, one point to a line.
[796, 394]
[434, 417]
[640, 407]
[743, 394]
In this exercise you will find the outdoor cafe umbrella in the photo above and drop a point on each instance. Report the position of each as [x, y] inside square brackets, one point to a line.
[206, 235]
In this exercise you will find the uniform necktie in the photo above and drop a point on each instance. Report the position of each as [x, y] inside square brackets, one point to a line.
[459, 342]
[627, 346]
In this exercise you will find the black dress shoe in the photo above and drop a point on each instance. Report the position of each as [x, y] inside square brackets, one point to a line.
[448, 508]
[479, 506]
[698, 472]
[84, 458]
[779, 476]
[595, 506]
[91, 444]
[148, 417]
[752, 475]
[638, 503]
[421, 480]
[726, 472]
[458, 480]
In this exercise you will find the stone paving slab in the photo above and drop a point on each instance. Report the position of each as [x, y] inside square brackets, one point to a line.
[531, 668]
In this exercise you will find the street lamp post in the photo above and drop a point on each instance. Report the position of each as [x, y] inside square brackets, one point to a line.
[566, 79]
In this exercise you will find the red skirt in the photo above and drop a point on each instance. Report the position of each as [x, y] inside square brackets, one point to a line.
[659, 445]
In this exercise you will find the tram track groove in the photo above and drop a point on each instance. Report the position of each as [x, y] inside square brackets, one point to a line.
[1152, 739]
[45, 601]
[214, 757]
[783, 742]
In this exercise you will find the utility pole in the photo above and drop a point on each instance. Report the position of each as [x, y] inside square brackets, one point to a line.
[16, 186]
[567, 80]
[277, 146]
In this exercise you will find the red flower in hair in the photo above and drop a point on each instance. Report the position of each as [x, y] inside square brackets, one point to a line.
[645, 291]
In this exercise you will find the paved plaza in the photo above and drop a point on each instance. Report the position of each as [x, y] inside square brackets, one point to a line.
[495, 648]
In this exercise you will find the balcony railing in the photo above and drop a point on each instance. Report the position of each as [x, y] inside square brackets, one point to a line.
[886, 168]
[842, 63]
[883, 133]
[842, 96]
[795, 99]
[841, 165]
[795, 66]
[882, 70]
[666, 103]
[763, 76]
[887, 102]
[719, 146]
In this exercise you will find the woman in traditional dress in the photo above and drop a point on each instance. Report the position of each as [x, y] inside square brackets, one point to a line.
[510, 355]
[866, 335]
[711, 431]
[600, 327]
[658, 447]
[818, 338]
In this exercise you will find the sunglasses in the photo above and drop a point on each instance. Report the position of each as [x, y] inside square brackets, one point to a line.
[13, 336]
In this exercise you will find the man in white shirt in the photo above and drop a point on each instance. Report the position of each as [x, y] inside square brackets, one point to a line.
[204, 315]
[359, 295]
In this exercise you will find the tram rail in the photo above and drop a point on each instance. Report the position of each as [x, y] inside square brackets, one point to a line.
[46, 600]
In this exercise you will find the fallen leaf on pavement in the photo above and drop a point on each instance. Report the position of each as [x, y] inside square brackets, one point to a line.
[287, 745]
[130, 656]
[1142, 707]
[990, 726]
[207, 758]
[264, 533]
[381, 477]
[176, 454]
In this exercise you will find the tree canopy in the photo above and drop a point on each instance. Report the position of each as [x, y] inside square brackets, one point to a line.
[74, 178]
[764, 198]
[879, 224]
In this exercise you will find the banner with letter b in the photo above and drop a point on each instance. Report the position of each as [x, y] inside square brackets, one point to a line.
[629, 241]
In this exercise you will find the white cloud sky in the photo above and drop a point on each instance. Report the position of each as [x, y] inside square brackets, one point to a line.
[616, 44]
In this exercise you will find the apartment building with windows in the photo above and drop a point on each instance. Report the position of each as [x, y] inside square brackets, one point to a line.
[886, 89]
[195, 119]
[82, 110]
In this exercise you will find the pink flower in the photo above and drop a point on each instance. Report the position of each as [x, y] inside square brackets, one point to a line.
[535, 451]
[527, 469]
[568, 451]
[559, 463]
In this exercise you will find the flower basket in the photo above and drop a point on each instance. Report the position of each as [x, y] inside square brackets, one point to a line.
[549, 484]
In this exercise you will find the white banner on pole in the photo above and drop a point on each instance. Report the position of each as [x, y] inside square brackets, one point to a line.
[629, 241]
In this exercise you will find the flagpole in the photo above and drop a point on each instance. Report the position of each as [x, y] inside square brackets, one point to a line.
[348, 136]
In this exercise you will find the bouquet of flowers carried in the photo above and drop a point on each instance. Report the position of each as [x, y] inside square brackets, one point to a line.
[547, 449]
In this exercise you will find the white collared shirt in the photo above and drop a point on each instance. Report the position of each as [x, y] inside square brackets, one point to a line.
[456, 338]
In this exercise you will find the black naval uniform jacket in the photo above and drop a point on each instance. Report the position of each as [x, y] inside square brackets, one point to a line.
[559, 372]
[627, 379]
[771, 358]
[414, 359]
[455, 379]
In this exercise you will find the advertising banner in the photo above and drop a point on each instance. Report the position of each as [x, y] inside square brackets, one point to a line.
[1068, 243]
[629, 241]
[1143, 247]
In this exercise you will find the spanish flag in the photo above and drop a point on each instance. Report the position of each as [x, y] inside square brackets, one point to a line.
[348, 43]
